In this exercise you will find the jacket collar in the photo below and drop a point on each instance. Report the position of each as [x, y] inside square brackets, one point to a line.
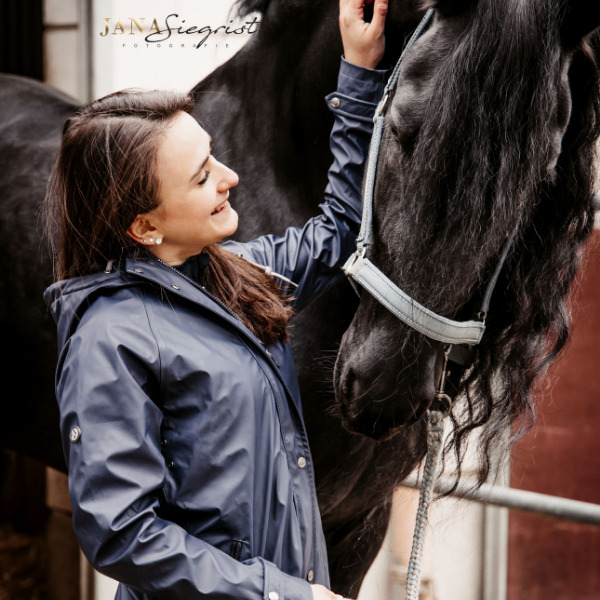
[175, 282]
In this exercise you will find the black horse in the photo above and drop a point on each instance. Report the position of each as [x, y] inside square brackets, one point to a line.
[493, 130]
[266, 112]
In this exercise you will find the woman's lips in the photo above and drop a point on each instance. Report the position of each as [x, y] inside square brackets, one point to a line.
[220, 208]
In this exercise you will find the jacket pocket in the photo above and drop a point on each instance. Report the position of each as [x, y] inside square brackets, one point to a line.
[237, 549]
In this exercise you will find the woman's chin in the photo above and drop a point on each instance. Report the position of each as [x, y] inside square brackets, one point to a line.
[228, 221]
[233, 217]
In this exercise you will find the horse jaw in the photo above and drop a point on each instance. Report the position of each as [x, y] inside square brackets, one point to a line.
[374, 399]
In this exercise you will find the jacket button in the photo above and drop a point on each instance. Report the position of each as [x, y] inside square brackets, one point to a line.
[302, 462]
[75, 434]
[335, 102]
[273, 596]
[310, 576]
[170, 464]
[174, 286]
[164, 442]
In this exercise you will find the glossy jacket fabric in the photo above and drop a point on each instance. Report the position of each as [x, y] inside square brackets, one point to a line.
[189, 468]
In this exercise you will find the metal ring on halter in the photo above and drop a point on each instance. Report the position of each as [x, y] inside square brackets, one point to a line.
[442, 403]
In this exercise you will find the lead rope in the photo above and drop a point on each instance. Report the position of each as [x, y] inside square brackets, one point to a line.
[435, 433]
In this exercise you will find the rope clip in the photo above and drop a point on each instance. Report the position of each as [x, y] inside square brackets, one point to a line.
[442, 401]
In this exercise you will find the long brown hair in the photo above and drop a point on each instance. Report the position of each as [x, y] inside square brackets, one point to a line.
[104, 176]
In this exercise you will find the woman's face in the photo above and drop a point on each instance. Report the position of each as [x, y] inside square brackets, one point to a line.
[194, 210]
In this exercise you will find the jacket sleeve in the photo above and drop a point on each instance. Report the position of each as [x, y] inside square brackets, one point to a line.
[111, 432]
[312, 256]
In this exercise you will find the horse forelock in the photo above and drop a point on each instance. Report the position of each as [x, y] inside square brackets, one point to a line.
[486, 160]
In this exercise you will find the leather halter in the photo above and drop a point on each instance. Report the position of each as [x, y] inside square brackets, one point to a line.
[362, 271]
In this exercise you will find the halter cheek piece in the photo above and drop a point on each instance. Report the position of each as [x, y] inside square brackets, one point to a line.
[456, 335]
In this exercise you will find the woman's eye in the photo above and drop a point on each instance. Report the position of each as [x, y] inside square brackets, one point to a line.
[204, 179]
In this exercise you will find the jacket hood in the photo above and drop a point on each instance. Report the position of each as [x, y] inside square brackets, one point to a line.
[68, 299]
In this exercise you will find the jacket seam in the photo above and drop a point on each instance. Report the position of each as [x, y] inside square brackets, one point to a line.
[152, 332]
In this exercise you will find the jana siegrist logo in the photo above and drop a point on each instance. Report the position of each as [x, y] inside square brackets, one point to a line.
[159, 35]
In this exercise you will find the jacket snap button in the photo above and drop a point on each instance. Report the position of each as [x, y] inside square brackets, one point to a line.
[75, 434]
[170, 464]
[335, 102]
[302, 462]
[138, 270]
[164, 442]
[175, 286]
[310, 576]
[273, 596]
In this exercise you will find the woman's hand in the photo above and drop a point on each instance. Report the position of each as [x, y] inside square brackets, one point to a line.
[320, 592]
[364, 43]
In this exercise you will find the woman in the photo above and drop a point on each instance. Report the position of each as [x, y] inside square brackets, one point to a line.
[189, 469]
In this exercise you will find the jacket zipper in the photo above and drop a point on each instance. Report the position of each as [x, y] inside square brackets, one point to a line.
[215, 299]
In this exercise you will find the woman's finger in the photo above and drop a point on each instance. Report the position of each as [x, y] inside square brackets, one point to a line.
[353, 6]
[380, 10]
[355, 9]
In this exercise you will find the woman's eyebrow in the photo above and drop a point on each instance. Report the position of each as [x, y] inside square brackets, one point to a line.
[197, 173]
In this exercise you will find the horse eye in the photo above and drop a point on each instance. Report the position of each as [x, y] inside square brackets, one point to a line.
[406, 138]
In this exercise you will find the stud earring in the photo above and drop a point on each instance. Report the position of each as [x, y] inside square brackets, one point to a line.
[145, 241]
[158, 241]
[151, 240]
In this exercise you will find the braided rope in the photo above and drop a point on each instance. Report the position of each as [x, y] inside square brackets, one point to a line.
[435, 431]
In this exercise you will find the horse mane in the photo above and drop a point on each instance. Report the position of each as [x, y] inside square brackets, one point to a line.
[478, 169]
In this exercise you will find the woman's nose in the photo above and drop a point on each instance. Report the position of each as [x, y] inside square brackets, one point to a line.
[228, 178]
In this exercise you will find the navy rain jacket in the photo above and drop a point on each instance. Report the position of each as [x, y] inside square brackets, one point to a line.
[189, 468]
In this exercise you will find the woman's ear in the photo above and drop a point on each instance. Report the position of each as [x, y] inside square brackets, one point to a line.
[143, 232]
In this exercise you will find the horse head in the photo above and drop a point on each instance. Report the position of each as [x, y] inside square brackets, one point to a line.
[489, 135]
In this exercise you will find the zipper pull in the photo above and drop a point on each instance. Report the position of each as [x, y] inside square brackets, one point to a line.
[272, 357]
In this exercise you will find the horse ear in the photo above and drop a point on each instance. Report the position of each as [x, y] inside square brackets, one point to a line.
[581, 18]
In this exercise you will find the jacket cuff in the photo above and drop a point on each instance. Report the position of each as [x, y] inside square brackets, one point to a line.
[367, 84]
[280, 586]
[359, 90]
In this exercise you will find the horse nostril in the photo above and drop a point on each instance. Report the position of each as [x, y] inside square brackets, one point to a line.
[355, 389]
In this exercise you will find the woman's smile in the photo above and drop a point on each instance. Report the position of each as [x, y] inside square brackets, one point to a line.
[224, 206]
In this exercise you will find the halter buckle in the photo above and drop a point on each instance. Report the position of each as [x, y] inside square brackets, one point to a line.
[381, 107]
[359, 253]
